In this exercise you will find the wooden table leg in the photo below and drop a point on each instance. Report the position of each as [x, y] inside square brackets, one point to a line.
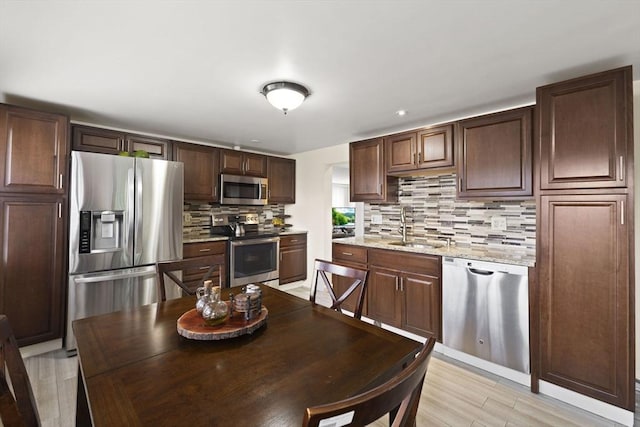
[83, 417]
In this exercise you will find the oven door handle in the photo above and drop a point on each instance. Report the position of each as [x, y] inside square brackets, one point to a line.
[255, 241]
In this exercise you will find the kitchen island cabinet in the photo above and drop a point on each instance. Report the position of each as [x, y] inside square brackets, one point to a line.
[293, 258]
[107, 141]
[281, 174]
[242, 163]
[34, 157]
[201, 171]
[494, 155]
[368, 175]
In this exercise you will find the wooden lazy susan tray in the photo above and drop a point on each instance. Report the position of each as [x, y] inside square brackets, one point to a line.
[191, 325]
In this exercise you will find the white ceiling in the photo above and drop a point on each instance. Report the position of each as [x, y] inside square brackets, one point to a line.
[193, 69]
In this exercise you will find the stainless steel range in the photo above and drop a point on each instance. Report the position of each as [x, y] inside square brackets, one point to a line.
[253, 253]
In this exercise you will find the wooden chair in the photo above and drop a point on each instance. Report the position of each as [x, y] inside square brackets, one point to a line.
[208, 264]
[17, 408]
[401, 392]
[359, 281]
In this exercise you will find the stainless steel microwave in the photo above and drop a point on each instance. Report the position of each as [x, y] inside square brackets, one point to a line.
[242, 190]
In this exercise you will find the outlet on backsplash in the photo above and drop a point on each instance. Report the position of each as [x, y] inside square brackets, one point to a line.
[186, 218]
[498, 223]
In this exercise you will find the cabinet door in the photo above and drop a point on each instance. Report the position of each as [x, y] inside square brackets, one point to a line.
[97, 140]
[494, 155]
[384, 299]
[231, 162]
[435, 147]
[367, 173]
[32, 254]
[421, 314]
[401, 152]
[585, 299]
[586, 131]
[33, 151]
[200, 171]
[282, 180]
[255, 165]
[193, 278]
[157, 148]
[293, 263]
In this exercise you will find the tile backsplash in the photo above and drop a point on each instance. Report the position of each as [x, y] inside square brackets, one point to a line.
[433, 213]
[197, 216]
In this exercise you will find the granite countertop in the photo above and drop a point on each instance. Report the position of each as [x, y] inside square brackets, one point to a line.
[508, 255]
[218, 238]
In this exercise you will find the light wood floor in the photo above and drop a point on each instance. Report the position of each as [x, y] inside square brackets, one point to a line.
[454, 394]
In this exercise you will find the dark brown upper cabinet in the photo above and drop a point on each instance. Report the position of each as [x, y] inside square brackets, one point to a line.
[107, 141]
[33, 151]
[424, 149]
[494, 155]
[367, 173]
[200, 171]
[282, 180]
[585, 127]
[241, 163]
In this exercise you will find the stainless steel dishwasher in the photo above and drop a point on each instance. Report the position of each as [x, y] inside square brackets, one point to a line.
[485, 311]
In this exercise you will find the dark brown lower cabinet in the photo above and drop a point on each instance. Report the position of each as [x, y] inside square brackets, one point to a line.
[193, 278]
[585, 296]
[404, 291]
[32, 250]
[293, 258]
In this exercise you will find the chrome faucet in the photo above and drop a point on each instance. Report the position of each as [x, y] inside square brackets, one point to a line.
[403, 224]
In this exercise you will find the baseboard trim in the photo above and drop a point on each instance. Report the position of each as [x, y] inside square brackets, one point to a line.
[40, 348]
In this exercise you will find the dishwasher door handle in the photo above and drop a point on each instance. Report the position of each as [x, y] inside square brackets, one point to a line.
[481, 272]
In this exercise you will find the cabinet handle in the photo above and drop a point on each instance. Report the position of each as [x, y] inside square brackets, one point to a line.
[622, 212]
[60, 210]
[293, 240]
[415, 158]
[460, 183]
[205, 250]
[621, 169]
[401, 284]
[347, 253]
[60, 181]
[397, 280]
[419, 158]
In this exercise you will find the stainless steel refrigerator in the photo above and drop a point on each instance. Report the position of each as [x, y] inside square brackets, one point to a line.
[125, 216]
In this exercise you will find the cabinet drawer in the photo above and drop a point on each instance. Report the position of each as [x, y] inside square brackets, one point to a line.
[293, 240]
[191, 250]
[404, 261]
[348, 253]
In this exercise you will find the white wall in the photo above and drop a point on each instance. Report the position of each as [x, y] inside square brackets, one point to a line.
[312, 210]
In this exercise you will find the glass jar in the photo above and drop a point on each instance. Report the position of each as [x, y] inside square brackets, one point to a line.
[215, 311]
[203, 295]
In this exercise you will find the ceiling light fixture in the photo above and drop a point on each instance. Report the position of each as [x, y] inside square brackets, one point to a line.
[285, 96]
[401, 113]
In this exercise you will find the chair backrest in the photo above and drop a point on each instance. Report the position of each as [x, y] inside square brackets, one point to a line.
[207, 264]
[401, 392]
[17, 408]
[359, 282]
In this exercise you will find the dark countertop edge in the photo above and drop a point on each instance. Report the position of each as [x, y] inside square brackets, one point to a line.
[223, 238]
[476, 253]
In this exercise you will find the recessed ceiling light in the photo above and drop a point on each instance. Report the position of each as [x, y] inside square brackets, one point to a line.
[401, 113]
[255, 141]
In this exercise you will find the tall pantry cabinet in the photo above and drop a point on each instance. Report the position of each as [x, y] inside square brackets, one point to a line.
[33, 185]
[585, 237]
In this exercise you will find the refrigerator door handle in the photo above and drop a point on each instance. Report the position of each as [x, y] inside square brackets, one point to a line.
[130, 213]
[139, 214]
[115, 275]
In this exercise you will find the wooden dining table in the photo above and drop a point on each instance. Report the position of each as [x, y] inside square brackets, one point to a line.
[136, 370]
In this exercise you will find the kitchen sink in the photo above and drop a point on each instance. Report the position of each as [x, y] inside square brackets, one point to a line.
[411, 245]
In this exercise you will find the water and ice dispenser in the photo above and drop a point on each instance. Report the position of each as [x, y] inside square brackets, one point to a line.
[101, 231]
